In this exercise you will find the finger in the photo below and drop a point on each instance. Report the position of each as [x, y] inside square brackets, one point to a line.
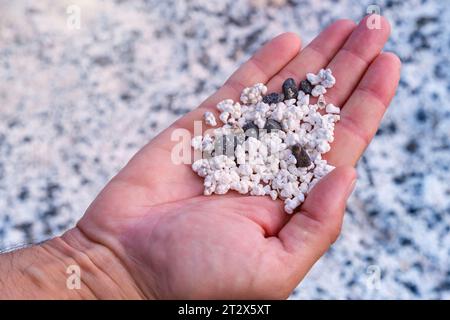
[362, 113]
[263, 65]
[354, 58]
[316, 55]
[311, 231]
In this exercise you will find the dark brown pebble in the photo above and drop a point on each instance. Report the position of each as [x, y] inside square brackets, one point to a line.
[306, 86]
[273, 98]
[301, 156]
[290, 89]
[251, 130]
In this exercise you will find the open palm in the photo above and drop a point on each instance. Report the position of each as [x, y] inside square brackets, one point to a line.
[177, 243]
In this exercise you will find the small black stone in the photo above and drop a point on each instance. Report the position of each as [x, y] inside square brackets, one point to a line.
[273, 98]
[412, 146]
[421, 115]
[125, 96]
[290, 89]
[24, 193]
[251, 130]
[301, 156]
[405, 241]
[411, 287]
[306, 86]
[272, 125]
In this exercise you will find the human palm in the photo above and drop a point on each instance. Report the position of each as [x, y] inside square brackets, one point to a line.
[177, 243]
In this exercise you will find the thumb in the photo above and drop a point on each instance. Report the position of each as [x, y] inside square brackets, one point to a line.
[310, 232]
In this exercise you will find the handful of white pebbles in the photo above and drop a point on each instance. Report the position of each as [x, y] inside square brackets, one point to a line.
[270, 144]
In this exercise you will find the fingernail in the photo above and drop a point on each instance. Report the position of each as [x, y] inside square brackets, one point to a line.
[351, 188]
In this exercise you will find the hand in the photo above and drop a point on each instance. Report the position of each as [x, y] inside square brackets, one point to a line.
[173, 242]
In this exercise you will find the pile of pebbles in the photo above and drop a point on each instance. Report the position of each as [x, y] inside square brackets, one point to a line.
[270, 143]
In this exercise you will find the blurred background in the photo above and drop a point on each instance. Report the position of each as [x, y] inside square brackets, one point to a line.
[79, 97]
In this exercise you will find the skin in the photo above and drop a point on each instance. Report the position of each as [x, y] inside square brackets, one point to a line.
[152, 234]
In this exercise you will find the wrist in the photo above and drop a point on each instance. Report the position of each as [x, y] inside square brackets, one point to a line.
[67, 267]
